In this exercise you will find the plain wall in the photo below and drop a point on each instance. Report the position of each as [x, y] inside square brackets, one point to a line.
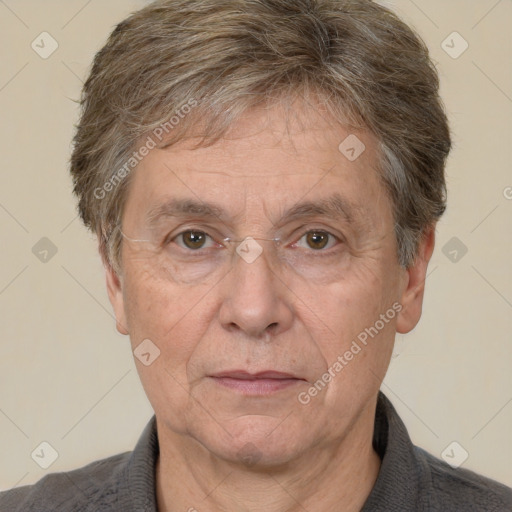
[68, 378]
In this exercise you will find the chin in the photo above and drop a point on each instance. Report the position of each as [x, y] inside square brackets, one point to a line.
[256, 442]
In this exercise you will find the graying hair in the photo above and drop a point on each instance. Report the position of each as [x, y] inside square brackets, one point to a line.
[358, 58]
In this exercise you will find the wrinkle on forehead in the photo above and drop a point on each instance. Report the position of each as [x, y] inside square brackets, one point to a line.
[267, 160]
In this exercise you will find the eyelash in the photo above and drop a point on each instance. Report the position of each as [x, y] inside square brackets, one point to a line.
[319, 252]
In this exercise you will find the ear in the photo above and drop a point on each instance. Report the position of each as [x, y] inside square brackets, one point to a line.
[414, 284]
[115, 294]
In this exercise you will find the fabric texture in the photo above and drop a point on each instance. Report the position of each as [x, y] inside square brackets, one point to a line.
[410, 479]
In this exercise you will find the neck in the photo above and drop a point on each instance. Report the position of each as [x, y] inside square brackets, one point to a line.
[338, 474]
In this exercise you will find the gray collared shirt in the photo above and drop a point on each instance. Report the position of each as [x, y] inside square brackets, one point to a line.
[410, 479]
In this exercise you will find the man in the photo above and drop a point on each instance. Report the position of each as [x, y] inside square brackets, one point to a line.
[264, 177]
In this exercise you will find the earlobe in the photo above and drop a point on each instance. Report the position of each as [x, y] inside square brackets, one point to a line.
[414, 284]
[115, 294]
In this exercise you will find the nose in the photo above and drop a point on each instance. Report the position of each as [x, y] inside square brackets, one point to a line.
[255, 300]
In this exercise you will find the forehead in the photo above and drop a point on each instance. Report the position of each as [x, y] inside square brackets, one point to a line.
[268, 161]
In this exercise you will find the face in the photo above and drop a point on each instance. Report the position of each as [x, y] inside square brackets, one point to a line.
[272, 346]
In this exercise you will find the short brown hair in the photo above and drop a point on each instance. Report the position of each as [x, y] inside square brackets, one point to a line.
[367, 66]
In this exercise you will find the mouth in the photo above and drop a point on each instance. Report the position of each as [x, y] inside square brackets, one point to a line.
[261, 383]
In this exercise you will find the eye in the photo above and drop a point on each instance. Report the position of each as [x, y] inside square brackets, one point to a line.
[193, 240]
[317, 240]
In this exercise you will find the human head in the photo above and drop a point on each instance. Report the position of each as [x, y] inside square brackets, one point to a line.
[242, 108]
[185, 64]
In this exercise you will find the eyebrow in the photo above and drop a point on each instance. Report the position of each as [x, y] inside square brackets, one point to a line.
[182, 208]
[335, 207]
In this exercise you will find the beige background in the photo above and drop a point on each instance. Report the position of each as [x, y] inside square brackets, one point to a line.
[67, 377]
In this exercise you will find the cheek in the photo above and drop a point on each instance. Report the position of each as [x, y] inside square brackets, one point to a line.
[349, 304]
[171, 318]
[145, 301]
[348, 318]
[160, 310]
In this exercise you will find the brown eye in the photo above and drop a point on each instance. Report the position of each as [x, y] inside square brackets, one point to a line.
[317, 239]
[193, 239]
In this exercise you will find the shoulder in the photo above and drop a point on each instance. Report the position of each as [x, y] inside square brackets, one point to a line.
[462, 489]
[92, 487]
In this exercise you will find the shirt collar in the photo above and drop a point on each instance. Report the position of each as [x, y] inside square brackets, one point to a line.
[401, 482]
[398, 484]
[142, 470]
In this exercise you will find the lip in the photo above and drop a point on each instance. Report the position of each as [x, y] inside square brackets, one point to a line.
[245, 375]
[260, 383]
